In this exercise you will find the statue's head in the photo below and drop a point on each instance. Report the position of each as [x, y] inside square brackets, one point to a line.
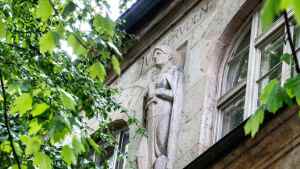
[163, 55]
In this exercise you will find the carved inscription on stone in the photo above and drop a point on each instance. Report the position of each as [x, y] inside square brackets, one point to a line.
[182, 29]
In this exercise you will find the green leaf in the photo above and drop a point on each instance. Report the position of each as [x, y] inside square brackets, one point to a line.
[22, 104]
[97, 70]
[60, 30]
[18, 148]
[69, 8]
[68, 155]
[104, 25]
[42, 161]
[77, 145]
[48, 42]
[296, 7]
[292, 87]
[272, 96]
[5, 147]
[67, 100]
[252, 125]
[270, 9]
[286, 4]
[44, 10]
[60, 128]
[34, 127]
[2, 30]
[77, 47]
[94, 145]
[13, 88]
[33, 144]
[116, 65]
[39, 109]
[287, 58]
[15, 166]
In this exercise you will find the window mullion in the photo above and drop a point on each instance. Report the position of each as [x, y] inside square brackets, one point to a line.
[253, 69]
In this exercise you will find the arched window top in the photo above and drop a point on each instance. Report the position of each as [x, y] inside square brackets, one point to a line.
[232, 100]
[237, 64]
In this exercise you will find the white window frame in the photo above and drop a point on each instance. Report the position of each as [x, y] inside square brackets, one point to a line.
[114, 159]
[257, 40]
[226, 96]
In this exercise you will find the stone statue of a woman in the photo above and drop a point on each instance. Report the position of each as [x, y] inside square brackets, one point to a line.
[163, 107]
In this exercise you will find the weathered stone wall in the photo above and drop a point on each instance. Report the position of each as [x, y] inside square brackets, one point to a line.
[202, 36]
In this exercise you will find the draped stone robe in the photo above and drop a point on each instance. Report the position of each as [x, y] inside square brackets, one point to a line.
[163, 115]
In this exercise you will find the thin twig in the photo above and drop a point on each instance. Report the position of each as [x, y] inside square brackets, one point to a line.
[7, 121]
[290, 40]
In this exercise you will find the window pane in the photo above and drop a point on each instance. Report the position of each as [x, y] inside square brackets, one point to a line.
[270, 67]
[238, 65]
[122, 149]
[233, 113]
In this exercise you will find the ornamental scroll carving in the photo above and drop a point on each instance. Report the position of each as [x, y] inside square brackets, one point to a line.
[162, 111]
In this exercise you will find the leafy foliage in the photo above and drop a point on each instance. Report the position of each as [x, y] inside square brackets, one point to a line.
[272, 9]
[51, 91]
[68, 155]
[273, 97]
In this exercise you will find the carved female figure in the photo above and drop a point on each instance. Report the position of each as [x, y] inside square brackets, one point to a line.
[163, 106]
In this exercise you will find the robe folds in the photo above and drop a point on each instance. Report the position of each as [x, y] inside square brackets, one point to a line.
[146, 152]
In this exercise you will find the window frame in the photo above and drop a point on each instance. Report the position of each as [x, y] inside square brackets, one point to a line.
[116, 161]
[113, 158]
[258, 40]
[230, 95]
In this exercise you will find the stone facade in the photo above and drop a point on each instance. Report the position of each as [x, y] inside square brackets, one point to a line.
[201, 31]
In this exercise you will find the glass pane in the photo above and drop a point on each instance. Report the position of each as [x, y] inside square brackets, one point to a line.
[123, 143]
[233, 114]
[238, 65]
[270, 67]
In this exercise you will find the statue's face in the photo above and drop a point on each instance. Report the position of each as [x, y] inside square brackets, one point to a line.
[160, 57]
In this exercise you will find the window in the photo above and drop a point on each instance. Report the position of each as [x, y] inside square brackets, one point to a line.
[121, 151]
[270, 66]
[269, 47]
[117, 155]
[231, 103]
[254, 60]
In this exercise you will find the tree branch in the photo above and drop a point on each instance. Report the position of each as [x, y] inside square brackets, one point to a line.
[290, 40]
[7, 121]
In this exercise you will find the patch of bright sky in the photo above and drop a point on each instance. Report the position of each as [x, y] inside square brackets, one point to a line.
[114, 10]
